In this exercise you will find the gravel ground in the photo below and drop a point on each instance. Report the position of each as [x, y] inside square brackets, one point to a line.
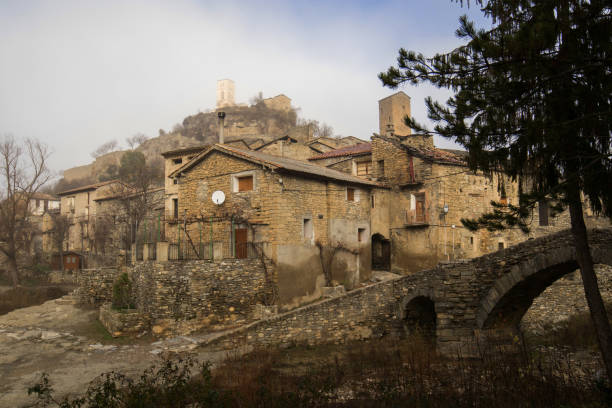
[51, 338]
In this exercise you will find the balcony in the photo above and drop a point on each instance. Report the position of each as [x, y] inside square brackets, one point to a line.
[417, 218]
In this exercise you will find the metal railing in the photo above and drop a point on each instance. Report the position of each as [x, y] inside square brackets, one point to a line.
[184, 252]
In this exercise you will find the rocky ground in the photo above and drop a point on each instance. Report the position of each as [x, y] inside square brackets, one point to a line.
[66, 342]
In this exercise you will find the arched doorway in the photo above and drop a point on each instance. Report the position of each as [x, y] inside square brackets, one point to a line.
[419, 318]
[381, 253]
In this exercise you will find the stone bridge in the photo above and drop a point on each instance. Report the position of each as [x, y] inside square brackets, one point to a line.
[455, 302]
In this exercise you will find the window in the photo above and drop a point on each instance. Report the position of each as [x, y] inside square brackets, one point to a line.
[381, 168]
[350, 194]
[175, 208]
[372, 199]
[245, 183]
[543, 213]
[177, 161]
[308, 230]
[175, 181]
[500, 246]
[363, 168]
[360, 234]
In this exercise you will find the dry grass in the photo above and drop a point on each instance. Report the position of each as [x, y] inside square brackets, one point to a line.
[406, 373]
[16, 298]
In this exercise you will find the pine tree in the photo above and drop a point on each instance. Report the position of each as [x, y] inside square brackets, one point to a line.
[532, 98]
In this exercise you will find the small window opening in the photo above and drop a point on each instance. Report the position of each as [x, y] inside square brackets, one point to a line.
[372, 199]
[472, 241]
[360, 234]
[177, 161]
[245, 183]
[175, 207]
[500, 245]
[381, 167]
[308, 230]
[350, 194]
[175, 181]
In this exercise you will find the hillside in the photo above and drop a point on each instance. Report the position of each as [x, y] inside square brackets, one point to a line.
[267, 119]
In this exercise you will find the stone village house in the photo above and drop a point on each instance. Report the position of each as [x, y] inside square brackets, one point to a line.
[282, 204]
[397, 200]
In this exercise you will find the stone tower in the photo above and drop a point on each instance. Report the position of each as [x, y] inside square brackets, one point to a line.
[391, 113]
[225, 93]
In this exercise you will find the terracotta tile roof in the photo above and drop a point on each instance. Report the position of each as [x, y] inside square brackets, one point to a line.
[277, 163]
[358, 149]
[87, 187]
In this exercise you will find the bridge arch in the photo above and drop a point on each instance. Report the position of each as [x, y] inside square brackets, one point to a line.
[417, 312]
[512, 294]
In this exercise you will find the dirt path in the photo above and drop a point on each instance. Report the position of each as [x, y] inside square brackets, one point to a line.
[67, 343]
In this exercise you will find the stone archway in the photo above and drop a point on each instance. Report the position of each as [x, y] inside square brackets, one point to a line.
[512, 294]
[418, 316]
[381, 253]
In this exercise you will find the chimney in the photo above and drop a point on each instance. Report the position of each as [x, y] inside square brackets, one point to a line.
[221, 116]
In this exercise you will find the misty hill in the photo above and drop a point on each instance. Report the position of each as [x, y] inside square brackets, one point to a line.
[266, 119]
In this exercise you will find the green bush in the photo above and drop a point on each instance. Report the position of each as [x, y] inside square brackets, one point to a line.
[122, 293]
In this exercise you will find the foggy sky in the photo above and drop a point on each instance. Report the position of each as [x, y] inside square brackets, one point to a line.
[76, 74]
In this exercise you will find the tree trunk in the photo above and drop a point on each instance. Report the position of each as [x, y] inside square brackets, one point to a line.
[589, 280]
[12, 268]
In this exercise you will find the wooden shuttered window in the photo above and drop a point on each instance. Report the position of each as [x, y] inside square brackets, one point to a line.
[245, 183]
[350, 194]
[363, 168]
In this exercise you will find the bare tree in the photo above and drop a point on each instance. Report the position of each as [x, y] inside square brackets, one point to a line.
[256, 99]
[23, 172]
[327, 254]
[318, 129]
[59, 233]
[107, 147]
[136, 140]
[136, 196]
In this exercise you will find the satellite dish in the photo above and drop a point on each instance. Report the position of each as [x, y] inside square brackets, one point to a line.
[218, 197]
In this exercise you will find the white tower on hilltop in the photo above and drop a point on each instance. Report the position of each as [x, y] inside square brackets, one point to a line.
[225, 93]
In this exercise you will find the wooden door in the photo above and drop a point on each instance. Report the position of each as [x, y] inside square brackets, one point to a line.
[420, 211]
[240, 238]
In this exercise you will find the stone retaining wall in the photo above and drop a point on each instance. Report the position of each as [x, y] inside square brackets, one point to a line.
[361, 313]
[122, 322]
[200, 291]
[95, 285]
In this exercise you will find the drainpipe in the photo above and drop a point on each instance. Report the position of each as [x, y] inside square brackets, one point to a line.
[221, 116]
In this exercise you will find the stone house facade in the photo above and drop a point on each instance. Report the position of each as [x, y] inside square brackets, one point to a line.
[423, 194]
[284, 206]
[79, 206]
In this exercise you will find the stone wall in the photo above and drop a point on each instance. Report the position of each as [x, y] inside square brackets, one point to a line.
[122, 322]
[95, 285]
[207, 292]
[470, 298]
